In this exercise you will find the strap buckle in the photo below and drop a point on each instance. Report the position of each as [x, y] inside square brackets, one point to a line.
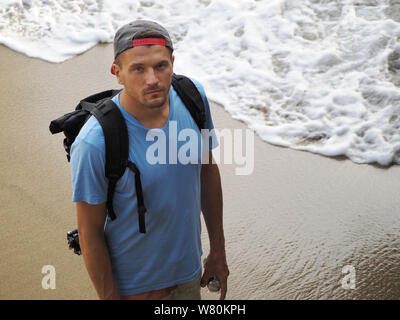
[142, 210]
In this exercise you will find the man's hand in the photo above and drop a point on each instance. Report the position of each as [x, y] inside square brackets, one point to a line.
[216, 265]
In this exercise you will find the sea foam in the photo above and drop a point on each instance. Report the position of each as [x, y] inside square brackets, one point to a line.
[315, 75]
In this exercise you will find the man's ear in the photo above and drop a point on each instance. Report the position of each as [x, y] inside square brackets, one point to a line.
[115, 69]
[172, 63]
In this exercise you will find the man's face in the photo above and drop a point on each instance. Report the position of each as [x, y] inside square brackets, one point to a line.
[146, 72]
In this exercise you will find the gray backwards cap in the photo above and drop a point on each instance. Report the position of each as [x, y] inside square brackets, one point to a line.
[126, 34]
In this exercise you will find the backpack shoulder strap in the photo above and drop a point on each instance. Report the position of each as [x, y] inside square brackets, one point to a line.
[191, 98]
[116, 144]
[97, 98]
[117, 153]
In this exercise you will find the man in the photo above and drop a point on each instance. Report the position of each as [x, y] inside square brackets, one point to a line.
[165, 262]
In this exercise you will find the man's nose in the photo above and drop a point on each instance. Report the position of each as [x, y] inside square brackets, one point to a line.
[151, 78]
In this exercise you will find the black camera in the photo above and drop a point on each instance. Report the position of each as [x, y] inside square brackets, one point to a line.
[73, 241]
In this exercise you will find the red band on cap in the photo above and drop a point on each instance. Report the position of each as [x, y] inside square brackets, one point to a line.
[148, 41]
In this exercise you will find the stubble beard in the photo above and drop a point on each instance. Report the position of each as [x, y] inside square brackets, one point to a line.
[160, 101]
[155, 104]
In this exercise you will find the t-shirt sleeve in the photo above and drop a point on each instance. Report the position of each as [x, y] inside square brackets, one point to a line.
[89, 183]
[209, 125]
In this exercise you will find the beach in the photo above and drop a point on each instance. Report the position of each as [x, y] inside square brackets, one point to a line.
[290, 227]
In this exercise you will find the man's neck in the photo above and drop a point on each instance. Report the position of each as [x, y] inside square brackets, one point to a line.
[149, 117]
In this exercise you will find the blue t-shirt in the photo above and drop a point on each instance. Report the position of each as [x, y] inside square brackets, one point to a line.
[170, 251]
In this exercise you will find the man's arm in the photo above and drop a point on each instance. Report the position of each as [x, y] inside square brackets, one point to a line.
[211, 206]
[91, 220]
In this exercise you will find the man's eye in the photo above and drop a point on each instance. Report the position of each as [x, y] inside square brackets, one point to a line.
[161, 66]
[137, 69]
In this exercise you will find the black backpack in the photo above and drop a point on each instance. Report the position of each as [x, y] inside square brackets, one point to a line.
[115, 132]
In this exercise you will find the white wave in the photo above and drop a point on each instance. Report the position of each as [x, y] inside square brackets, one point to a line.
[316, 75]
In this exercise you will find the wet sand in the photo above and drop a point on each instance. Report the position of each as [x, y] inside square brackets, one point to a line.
[290, 227]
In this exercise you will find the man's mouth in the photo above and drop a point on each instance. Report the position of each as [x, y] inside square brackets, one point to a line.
[153, 91]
